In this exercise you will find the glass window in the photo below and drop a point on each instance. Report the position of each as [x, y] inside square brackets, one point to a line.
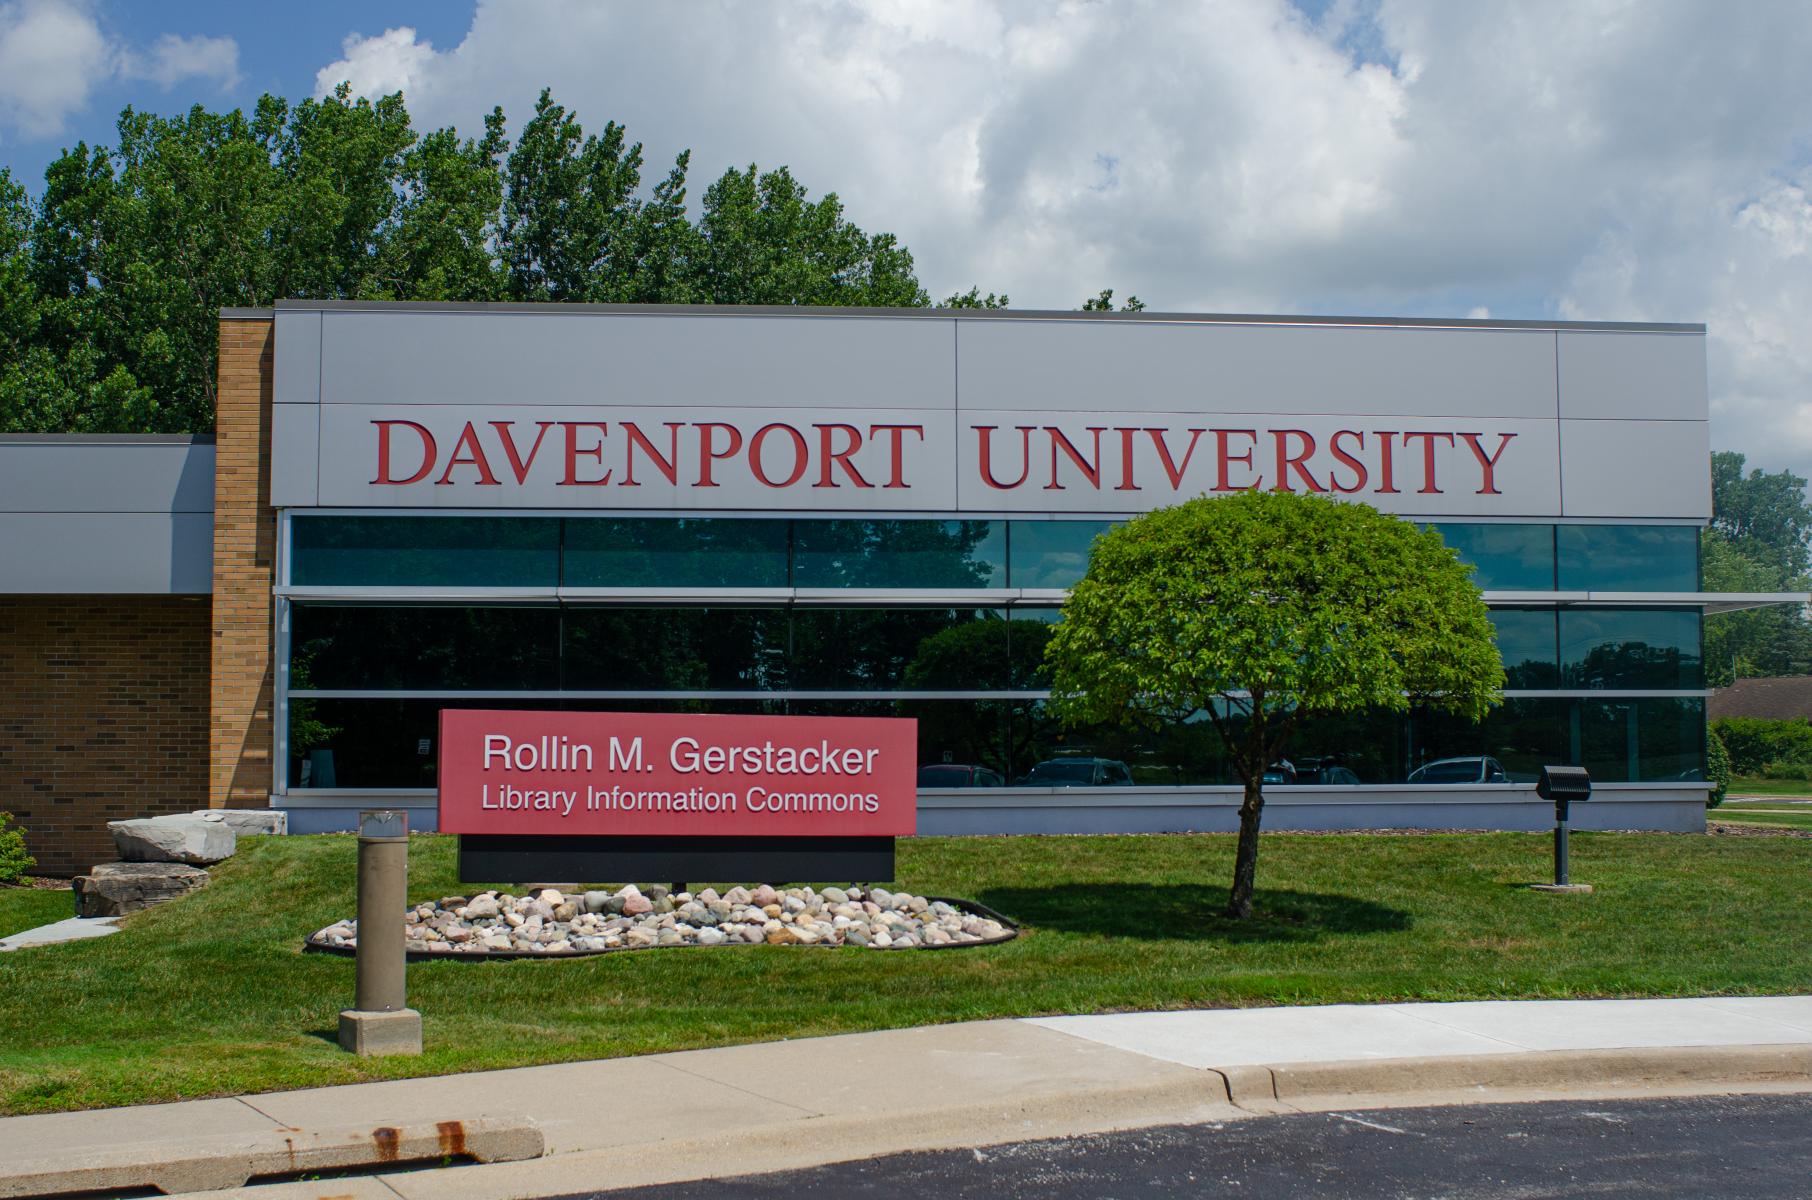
[1174, 753]
[1515, 740]
[1508, 557]
[394, 743]
[683, 649]
[1629, 558]
[425, 551]
[1641, 741]
[899, 554]
[1630, 648]
[962, 743]
[1050, 554]
[687, 552]
[926, 649]
[426, 646]
[1526, 640]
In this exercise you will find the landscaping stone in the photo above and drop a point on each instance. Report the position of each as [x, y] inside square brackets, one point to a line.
[248, 822]
[548, 922]
[113, 889]
[173, 840]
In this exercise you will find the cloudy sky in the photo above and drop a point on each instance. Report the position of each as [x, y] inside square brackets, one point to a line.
[1642, 160]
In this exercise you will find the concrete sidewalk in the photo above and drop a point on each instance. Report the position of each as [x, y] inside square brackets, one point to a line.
[777, 1105]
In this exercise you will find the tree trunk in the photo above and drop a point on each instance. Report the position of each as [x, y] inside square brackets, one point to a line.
[1245, 858]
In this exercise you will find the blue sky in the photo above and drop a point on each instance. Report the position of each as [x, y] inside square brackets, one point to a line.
[1583, 159]
[280, 47]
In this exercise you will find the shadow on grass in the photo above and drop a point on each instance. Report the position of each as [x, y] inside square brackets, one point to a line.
[1173, 912]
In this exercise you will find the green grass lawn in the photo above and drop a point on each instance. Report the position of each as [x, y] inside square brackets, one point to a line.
[1753, 785]
[211, 995]
[28, 908]
[1763, 812]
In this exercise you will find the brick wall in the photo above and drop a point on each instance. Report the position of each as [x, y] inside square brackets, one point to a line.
[103, 716]
[245, 535]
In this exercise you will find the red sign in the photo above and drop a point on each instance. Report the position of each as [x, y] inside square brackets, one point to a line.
[666, 774]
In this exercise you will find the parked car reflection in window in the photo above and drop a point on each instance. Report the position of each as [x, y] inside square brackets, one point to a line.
[1482, 769]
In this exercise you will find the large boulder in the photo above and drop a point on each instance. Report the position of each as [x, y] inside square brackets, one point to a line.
[246, 822]
[173, 839]
[113, 889]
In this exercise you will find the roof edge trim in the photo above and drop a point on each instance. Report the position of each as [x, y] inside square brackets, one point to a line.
[947, 314]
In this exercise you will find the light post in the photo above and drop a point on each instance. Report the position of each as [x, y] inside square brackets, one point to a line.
[1563, 785]
[380, 1021]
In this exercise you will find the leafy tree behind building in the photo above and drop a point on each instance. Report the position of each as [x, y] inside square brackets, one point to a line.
[111, 279]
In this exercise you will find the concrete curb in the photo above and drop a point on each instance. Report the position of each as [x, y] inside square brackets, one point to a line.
[207, 1163]
[1216, 1094]
[1375, 1083]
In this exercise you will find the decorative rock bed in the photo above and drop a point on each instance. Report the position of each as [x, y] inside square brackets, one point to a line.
[549, 922]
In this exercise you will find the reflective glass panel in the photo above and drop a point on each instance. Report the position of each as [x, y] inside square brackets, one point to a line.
[392, 743]
[684, 552]
[425, 551]
[1508, 557]
[1630, 648]
[420, 647]
[1343, 749]
[1526, 640]
[1050, 554]
[1641, 741]
[962, 743]
[1628, 558]
[1511, 745]
[899, 554]
[681, 649]
[925, 649]
[1175, 753]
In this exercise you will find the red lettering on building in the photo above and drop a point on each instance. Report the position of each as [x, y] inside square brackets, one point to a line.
[1223, 455]
[468, 453]
[897, 452]
[1171, 469]
[519, 466]
[1126, 460]
[1090, 470]
[1488, 466]
[1286, 462]
[832, 457]
[1387, 483]
[1428, 461]
[574, 452]
[801, 455]
[667, 464]
[1347, 460]
[987, 456]
[707, 455]
[429, 453]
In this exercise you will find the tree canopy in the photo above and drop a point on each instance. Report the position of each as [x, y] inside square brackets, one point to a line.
[111, 279]
[1262, 608]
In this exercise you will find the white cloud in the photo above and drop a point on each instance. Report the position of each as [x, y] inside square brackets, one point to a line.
[393, 61]
[50, 55]
[172, 59]
[54, 54]
[1570, 157]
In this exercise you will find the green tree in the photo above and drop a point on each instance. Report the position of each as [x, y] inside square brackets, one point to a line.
[1263, 608]
[1104, 302]
[973, 298]
[111, 282]
[764, 242]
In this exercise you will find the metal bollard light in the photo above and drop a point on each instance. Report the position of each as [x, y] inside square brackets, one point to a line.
[1564, 786]
[380, 1021]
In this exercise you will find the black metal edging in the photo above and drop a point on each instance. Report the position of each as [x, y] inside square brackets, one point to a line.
[310, 946]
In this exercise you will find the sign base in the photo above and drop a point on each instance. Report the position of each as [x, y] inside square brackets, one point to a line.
[498, 858]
